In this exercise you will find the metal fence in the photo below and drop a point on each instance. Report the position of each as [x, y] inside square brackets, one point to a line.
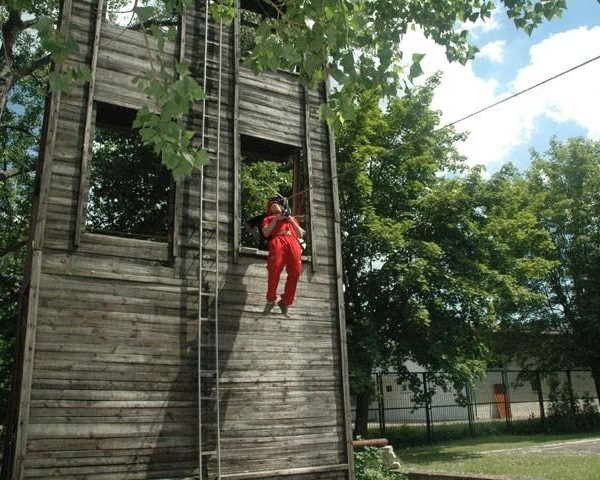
[503, 396]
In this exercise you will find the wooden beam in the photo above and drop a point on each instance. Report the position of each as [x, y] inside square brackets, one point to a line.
[309, 181]
[85, 153]
[343, 345]
[286, 472]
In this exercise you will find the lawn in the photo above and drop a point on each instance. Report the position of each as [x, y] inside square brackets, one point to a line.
[500, 456]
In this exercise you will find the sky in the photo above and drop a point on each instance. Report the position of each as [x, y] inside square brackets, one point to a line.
[508, 62]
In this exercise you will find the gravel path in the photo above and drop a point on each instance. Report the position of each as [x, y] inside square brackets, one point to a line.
[575, 447]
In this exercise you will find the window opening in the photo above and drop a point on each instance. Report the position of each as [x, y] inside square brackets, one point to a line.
[122, 14]
[252, 14]
[249, 21]
[130, 190]
[270, 169]
[265, 9]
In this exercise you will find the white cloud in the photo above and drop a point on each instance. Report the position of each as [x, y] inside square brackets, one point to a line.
[481, 28]
[573, 96]
[493, 51]
[497, 131]
[461, 93]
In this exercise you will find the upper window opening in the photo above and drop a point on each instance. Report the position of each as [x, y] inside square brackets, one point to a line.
[269, 169]
[252, 14]
[122, 13]
[264, 9]
[130, 191]
[249, 21]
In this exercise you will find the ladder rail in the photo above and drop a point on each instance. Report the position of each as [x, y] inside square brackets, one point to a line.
[200, 245]
[217, 279]
[201, 253]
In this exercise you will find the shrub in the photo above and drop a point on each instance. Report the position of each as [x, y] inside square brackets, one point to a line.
[567, 414]
[368, 466]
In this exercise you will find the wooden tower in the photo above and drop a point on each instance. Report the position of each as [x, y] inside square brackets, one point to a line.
[146, 354]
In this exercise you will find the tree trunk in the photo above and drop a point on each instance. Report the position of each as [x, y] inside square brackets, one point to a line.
[6, 81]
[596, 376]
[361, 425]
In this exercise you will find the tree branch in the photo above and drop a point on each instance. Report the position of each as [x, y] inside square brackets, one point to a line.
[13, 172]
[33, 67]
[14, 247]
[18, 129]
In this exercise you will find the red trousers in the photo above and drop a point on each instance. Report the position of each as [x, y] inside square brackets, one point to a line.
[284, 251]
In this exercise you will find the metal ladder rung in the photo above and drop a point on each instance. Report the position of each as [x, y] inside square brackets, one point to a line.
[210, 270]
[207, 398]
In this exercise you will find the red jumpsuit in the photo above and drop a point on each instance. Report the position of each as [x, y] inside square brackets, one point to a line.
[284, 250]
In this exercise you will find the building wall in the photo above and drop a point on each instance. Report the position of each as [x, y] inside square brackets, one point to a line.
[486, 400]
[110, 381]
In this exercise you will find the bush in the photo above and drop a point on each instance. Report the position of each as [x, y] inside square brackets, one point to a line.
[568, 414]
[368, 466]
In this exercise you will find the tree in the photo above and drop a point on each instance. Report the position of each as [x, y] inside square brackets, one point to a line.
[19, 138]
[432, 260]
[359, 42]
[413, 291]
[565, 193]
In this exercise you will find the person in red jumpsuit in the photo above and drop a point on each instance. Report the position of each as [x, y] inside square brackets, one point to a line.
[283, 232]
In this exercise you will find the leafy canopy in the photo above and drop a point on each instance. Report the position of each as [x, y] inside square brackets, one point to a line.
[356, 43]
[432, 262]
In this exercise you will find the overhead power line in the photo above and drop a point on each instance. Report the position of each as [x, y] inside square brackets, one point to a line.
[521, 92]
[467, 116]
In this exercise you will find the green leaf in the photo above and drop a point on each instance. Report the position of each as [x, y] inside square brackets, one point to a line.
[59, 82]
[201, 158]
[415, 69]
[145, 13]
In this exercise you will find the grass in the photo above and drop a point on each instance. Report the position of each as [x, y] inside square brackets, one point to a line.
[476, 456]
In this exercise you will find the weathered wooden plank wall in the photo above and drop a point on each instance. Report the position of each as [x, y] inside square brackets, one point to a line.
[114, 378]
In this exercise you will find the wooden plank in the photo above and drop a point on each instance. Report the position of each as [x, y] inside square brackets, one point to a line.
[343, 343]
[285, 472]
[309, 180]
[123, 247]
[134, 269]
[87, 130]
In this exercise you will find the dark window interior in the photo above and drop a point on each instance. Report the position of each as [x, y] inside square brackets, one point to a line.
[264, 9]
[270, 169]
[130, 191]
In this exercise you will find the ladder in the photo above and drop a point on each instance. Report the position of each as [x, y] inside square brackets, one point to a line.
[209, 431]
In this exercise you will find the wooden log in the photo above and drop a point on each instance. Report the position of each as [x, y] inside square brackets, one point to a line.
[371, 442]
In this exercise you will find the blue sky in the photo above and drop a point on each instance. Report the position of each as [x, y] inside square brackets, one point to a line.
[509, 61]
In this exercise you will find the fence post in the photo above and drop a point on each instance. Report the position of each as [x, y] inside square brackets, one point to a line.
[427, 409]
[381, 404]
[538, 379]
[470, 415]
[507, 399]
[571, 395]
